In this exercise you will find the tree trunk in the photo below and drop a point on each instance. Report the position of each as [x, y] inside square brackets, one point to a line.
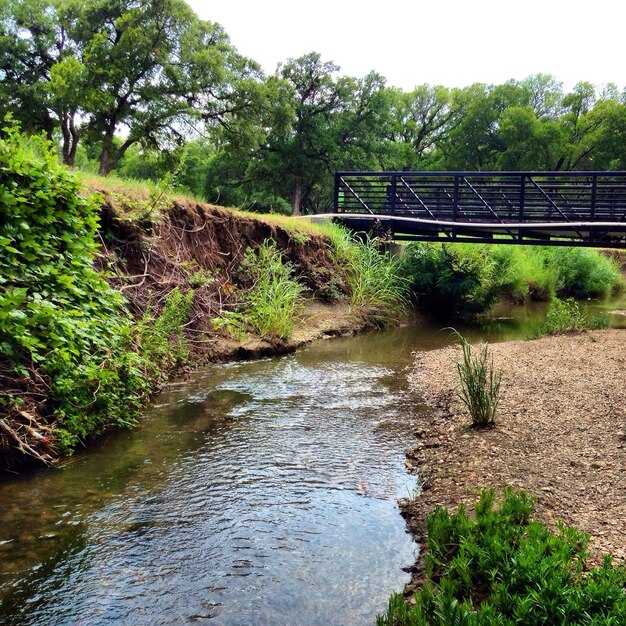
[75, 138]
[296, 197]
[110, 159]
[67, 139]
[71, 136]
[106, 166]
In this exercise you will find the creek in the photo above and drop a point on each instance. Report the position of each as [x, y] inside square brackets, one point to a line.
[257, 493]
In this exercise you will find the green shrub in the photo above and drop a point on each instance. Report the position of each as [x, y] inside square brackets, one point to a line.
[163, 342]
[463, 280]
[501, 567]
[479, 384]
[452, 281]
[583, 272]
[521, 272]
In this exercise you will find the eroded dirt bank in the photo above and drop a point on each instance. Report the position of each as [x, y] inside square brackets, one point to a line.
[148, 258]
[560, 434]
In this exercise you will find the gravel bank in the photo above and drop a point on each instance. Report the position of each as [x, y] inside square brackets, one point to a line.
[560, 434]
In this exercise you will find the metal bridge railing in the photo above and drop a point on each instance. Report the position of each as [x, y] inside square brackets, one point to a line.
[519, 203]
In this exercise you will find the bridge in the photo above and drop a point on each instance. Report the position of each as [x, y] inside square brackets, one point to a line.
[544, 208]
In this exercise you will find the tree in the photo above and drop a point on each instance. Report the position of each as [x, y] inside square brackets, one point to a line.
[144, 70]
[42, 80]
[154, 69]
[419, 120]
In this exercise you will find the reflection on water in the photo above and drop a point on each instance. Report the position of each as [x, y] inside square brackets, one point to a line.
[255, 493]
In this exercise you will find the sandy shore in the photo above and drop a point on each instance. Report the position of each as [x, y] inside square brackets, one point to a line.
[560, 434]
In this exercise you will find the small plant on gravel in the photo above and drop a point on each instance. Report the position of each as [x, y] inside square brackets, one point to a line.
[479, 383]
[502, 567]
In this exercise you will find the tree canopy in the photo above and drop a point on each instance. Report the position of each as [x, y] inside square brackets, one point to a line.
[143, 86]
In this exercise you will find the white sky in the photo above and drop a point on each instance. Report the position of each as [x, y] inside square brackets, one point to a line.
[451, 42]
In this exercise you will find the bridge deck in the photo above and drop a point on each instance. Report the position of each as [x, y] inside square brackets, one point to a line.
[548, 208]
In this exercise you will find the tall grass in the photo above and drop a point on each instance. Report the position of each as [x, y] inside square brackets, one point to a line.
[275, 296]
[479, 383]
[378, 289]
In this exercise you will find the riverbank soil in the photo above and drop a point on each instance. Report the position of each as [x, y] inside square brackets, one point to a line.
[318, 320]
[560, 435]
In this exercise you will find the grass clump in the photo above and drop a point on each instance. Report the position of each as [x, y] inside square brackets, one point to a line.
[479, 384]
[162, 340]
[565, 316]
[500, 567]
[273, 297]
[378, 289]
[584, 273]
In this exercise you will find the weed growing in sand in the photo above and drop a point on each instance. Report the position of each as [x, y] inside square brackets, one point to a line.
[502, 567]
[479, 383]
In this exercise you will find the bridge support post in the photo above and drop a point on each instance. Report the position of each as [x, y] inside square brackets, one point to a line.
[522, 198]
[336, 193]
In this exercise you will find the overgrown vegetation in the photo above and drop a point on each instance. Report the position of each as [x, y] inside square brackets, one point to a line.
[451, 280]
[464, 280]
[377, 288]
[272, 293]
[566, 316]
[64, 330]
[500, 567]
[479, 383]
[73, 361]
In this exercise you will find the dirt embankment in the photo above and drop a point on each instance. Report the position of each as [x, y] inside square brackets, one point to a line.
[200, 246]
[560, 435]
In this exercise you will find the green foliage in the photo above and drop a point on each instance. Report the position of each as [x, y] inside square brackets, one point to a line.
[273, 298]
[201, 278]
[58, 317]
[565, 316]
[374, 277]
[463, 280]
[479, 383]
[91, 69]
[583, 272]
[162, 340]
[451, 280]
[121, 83]
[501, 567]
[523, 272]
[377, 288]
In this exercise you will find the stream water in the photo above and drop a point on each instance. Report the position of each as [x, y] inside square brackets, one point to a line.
[254, 493]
